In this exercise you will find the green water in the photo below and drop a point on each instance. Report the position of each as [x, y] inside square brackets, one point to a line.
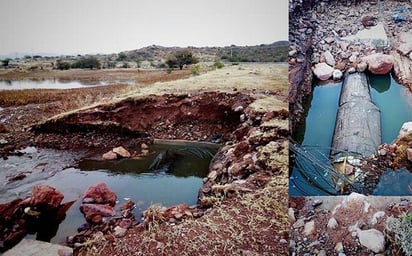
[394, 102]
[316, 134]
[174, 179]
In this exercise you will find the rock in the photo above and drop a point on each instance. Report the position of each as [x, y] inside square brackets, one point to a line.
[329, 40]
[337, 74]
[361, 67]
[368, 21]
[45, 196]
[404, 43]
[332, 223]
[372, 239]
[329, 58]
[376, 216]
[119, 231]
[35, 247]
[321, 253]
[309, 228]
[144, 146]
[94, 212]
[291, 215]
[379, 63]
[212, 175]
[241, 148]
[109, 156]
[125, 223]
[349, 169]
[323, 71]
[299, 223]
[122, 152]
[405, 129]
[339, 247]
[99, 194]
[409, 154]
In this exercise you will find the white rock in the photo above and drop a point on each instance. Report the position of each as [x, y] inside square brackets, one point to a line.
[121, 151]
[309, 228]
[291, 215]
[339, 247]
[337, 74]
[405, 129]
[109, 156]
[376, 216]
[329, 58]
[323, 71]
[372, 239]
[299, 223]
[332, 223]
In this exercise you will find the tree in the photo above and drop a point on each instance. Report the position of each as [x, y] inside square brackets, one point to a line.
[63, 65]
[122, 56]
[5, 62]
[87, 62]
[181, 58]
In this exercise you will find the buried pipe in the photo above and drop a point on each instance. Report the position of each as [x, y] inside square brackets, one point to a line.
[357, 131]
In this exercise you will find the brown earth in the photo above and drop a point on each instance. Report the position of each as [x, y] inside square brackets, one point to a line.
[242, 205]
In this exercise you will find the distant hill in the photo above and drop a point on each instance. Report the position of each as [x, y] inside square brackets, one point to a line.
[275, 52]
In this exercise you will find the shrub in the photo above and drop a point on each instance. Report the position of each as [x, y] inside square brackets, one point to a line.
[218, 64]
[195, 70]
[169, 70]
[5, 62]
[87, 62]
[63, 65]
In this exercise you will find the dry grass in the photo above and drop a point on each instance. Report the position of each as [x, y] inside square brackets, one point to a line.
[249, 223]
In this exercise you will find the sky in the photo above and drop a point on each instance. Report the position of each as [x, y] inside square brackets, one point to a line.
[111, 26]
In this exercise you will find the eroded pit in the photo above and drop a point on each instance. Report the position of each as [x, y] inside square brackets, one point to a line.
[207, 117]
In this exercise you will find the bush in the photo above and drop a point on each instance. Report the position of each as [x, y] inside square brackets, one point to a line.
[181, 58]
[63, 65]
[169, 70]
[87, 62]
[5, 62]
[218, 64]
[195, 70]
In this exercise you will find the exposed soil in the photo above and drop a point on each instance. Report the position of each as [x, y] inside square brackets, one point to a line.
[244, 107]
[339, 221]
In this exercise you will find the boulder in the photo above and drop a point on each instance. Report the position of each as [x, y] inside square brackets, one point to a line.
[405, 129]
[99, 194]
[404, 43]
[329, 58]
[372, 239]
[109, 156]
[323, 71]
[379, 63]
[361, 67]
[122, 152]
[337, 74]
[45, 196]
[94, 212]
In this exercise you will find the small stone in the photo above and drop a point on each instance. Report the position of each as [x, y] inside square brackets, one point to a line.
[383, 152]
[349, 169]
[109, 156]
[299, 223]
[212, 175]
[409, 154]
[291, 215]
[322, 253]
[309, 228]
[121, 151]
[361, 67]
[119, 232]
[372, 239]
[339, 247]
[332, 223]
[337, 74]
[283, 241]
[144, 146]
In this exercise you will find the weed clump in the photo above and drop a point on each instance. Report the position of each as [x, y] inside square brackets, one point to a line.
[400, 232]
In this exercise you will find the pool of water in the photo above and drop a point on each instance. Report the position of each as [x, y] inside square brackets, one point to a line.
[316, 134]
[394, 102]
[172, 179]
[44, 84]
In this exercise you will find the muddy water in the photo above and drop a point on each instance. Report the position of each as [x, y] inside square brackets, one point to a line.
[43, 84]
[395, 104]
[172, 179]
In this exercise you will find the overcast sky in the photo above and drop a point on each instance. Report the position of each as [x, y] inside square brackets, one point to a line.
[109, 26]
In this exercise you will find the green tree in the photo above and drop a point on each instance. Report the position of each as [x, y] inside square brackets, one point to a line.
[5, 62]
[87, 62]
[181, 58]
[63, 65]
[121, 56]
